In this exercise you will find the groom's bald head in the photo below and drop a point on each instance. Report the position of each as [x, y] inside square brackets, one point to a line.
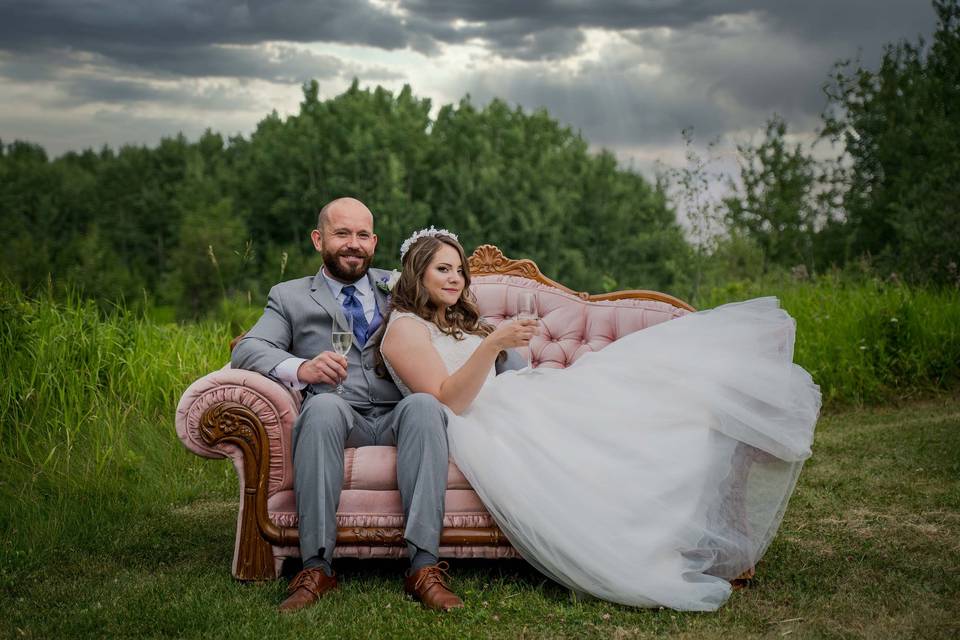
[348, 206]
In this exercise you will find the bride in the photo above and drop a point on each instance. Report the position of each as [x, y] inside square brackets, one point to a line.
[649, 473]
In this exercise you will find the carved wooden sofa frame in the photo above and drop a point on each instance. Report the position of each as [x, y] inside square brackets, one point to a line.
[221, 427]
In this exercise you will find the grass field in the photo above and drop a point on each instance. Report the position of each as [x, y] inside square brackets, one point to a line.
[109, 528]
[869, 548]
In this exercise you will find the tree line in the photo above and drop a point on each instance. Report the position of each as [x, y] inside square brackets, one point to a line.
[191, 223]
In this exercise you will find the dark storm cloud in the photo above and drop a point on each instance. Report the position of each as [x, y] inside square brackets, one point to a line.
[84, 89]
[717, 72]
[197, 38]
[538, 15]
[717, 65]
[103, 89]
[189, 37]
[510, 41]
[607, 108]
[33, 24]
[862, 21]
[282, 64]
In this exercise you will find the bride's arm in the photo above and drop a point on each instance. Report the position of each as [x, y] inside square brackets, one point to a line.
[411, 354]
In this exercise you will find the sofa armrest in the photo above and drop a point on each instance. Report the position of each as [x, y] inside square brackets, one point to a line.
[275, 407]
[248, 418]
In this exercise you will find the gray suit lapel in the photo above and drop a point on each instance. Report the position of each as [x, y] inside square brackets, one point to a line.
[320, 292]
[374, 276]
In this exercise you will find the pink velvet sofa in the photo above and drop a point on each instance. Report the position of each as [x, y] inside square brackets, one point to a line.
[248, 418]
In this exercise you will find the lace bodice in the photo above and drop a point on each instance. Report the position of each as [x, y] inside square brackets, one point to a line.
[453, 352]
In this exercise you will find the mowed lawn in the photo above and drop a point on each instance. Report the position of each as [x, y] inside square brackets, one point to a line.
[870, 547]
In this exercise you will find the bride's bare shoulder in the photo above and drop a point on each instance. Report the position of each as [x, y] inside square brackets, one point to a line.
[404, 327]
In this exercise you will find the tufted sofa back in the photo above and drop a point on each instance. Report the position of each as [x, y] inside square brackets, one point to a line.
[570, 325]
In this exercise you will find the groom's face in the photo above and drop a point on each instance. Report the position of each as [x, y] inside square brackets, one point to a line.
[346, 241]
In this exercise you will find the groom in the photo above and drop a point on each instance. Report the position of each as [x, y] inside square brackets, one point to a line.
[292, 343]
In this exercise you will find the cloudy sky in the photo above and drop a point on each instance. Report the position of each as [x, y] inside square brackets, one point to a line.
[629, 74]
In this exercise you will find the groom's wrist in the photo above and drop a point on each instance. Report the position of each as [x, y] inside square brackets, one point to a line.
[288, 372]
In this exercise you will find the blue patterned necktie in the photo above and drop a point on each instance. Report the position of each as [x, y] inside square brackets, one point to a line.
[353, 308]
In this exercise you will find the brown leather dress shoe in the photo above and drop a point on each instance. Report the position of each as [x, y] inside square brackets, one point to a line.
[429, 587]
[306, 589]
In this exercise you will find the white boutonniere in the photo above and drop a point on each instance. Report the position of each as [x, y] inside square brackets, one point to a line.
[388, 282]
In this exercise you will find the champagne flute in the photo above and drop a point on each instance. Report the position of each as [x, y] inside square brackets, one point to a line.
[342, 332]
[527, 310]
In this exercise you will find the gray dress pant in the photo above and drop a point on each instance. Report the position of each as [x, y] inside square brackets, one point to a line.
[327, 424]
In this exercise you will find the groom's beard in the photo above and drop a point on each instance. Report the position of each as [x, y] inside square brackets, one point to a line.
[346, 272]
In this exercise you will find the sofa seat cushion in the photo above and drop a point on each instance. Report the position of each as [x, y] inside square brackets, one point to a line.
[370, 497]
[375, 469]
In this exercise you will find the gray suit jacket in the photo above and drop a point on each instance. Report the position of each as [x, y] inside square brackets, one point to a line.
[297, 321]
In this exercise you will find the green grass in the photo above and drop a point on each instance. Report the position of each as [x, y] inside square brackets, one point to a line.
[86, 423]
[108, 527]
[868, 549]
[866, 341]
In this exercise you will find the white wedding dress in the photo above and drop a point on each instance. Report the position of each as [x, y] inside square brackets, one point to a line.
[653, 471]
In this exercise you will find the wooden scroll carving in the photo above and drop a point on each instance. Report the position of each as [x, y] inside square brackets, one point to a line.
[488, 260]
[392, 537]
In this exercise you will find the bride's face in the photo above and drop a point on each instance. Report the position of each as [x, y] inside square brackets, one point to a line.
[443, 278]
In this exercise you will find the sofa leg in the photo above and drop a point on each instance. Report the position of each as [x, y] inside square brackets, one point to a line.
[254, 554]
[233, 424]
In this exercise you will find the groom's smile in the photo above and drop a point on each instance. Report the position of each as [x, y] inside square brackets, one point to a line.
[345, 239]
[347, 266]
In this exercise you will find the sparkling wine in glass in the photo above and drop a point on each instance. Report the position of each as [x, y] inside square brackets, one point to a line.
[527, 310]
[342, 332]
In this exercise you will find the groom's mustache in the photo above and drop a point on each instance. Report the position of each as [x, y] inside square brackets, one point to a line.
[353, 254]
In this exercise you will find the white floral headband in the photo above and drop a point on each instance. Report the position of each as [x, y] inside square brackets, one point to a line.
[423, 233]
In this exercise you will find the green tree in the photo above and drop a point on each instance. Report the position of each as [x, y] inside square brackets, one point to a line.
[900, 125]
[192, 223]
[779, 200]
[528, 184]
[210, 259]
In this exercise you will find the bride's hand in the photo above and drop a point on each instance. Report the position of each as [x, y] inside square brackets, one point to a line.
[515, 333]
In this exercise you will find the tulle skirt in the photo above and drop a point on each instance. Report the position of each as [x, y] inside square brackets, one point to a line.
[654, 471]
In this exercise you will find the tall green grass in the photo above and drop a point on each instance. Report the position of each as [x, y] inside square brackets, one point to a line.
[86, 422]
[87, 443]
[866, 341]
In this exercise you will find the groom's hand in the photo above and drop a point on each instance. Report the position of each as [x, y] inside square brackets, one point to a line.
[327, 367]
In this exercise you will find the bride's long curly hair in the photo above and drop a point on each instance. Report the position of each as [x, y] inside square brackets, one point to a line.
[411, 296]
